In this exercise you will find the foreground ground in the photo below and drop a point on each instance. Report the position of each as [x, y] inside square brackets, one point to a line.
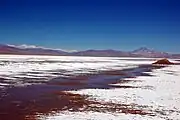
[87, 88]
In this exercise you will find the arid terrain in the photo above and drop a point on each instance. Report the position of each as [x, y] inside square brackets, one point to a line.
[88, 88]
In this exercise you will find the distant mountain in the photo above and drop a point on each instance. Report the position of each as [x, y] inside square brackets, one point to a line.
[106, 53]
[145, 52]
[5, 49]
[42, 51]
[35, 50]
[10, 49]
[176, 56]
[141, 52]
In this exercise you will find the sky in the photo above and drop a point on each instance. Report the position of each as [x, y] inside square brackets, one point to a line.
[92, 24]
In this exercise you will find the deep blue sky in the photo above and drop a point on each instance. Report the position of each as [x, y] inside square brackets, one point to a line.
[92, 24]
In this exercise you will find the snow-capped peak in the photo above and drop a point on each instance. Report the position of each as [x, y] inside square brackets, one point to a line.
[25, 46]
[28, 46]
[143, 49]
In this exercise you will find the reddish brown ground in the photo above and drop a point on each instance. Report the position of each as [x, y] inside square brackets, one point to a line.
[164, 62]
[20, 103]
[14, 109]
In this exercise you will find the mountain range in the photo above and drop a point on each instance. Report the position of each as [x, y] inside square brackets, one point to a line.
[33, 50]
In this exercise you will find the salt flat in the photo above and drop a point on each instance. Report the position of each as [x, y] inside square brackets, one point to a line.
[156, 93]
[159, 92]
[20, 70]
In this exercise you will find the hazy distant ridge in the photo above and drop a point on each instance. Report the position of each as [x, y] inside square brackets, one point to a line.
[141, 52]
